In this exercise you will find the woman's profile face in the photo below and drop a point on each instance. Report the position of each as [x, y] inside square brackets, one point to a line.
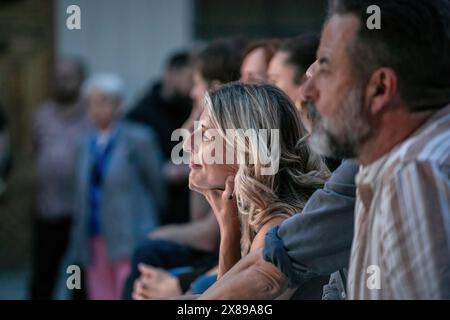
[203, 145]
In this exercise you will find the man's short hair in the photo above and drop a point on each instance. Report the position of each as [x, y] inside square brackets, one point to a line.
[221, 60]
[179, 60]
[79, 64]
[414, 40]
[301, 51]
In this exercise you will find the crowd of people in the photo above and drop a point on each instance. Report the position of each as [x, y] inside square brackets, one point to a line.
[358, 208]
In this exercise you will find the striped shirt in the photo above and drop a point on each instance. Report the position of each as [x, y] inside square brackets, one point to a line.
[402, 219]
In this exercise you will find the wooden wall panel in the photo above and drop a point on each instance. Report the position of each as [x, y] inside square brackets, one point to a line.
[26, 57]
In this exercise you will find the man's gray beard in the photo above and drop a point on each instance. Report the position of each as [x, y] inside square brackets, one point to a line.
[342, 138]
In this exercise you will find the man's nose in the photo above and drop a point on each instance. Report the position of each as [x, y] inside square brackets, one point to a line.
[309, 91]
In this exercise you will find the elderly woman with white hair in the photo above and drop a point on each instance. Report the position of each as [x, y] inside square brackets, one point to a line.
[120, 190]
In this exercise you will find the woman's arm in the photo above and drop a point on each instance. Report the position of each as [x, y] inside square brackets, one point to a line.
[258, 243]
[230, 244]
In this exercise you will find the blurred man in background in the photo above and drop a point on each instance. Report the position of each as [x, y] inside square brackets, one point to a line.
[58, 125]
[287, 70]
[164, 108]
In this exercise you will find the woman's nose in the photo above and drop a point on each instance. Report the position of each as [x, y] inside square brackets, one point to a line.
[188, 143]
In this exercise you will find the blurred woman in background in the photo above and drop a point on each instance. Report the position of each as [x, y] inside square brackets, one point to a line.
[119, 193]
[256, 59]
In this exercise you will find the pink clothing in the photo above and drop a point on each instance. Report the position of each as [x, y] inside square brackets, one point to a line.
[105, 279]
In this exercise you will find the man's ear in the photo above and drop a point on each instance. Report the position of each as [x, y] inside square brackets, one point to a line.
[382, 89]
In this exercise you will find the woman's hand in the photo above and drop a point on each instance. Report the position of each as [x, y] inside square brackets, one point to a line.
[223, 203]
[155, 283]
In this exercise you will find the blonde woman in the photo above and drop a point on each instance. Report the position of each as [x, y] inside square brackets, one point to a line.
[247, 202]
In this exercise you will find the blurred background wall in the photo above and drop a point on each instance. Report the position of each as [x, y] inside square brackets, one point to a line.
[132, 38]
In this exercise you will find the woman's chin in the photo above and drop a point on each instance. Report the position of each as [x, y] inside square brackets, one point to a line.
[192, 186]
[200, 187]
[195, 186]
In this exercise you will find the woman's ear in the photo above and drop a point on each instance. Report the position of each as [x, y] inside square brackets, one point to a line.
[382, 89]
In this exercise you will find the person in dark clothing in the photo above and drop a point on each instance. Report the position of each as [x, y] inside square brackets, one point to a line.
[164, 108]
[166, 105]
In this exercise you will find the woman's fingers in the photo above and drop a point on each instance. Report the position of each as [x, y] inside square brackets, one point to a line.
[136, 296]
[140, 291]
[147, 271]
[229, 188]
[146, 290]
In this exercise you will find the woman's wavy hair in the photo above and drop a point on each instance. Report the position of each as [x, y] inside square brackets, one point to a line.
[261, 197]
